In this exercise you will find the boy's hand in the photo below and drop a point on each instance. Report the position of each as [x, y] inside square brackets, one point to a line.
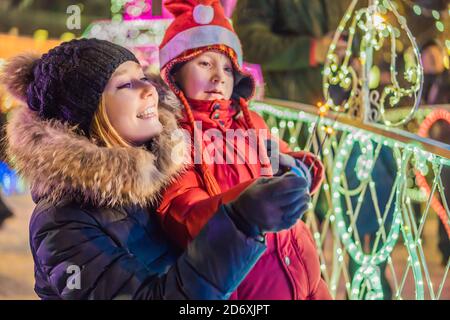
[282, 163]
[270, 205]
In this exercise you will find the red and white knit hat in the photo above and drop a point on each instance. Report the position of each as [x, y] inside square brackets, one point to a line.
[199, 26]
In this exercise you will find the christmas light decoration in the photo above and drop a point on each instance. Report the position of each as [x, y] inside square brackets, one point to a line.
[439, 16]
[438, 114]
[374, 31]
[336, 152]
[10, 182]
[134, 25]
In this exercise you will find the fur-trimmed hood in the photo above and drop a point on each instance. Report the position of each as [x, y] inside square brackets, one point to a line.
[59, 163]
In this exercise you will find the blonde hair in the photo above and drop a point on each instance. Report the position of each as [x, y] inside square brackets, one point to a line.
[102, 130]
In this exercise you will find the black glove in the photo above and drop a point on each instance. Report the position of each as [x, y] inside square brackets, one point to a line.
[270, 205]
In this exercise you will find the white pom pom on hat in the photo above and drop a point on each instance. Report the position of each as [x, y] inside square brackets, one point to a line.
[203, 14]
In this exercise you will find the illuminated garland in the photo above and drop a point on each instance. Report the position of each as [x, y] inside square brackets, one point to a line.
[375, 29]
[368, 275]
[439, 114]
[369, 271]
[136, 9]
[430, 13]
[292, 116]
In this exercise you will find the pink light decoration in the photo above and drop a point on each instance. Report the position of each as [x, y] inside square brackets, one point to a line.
[142, 10]
[147, 55]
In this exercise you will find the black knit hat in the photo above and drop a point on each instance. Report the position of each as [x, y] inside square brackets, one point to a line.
[68, 81]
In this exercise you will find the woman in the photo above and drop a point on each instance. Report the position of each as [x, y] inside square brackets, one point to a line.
[94, 141]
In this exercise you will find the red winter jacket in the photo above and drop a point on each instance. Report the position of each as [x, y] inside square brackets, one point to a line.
[290, 268]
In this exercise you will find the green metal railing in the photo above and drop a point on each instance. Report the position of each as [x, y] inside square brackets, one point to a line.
[393, 263]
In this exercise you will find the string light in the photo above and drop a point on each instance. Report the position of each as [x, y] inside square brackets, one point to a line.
[286, 115]
[421, 165]
[323, 110]
[376, 31]
[329, 130]
[369, 274]
[439, 16]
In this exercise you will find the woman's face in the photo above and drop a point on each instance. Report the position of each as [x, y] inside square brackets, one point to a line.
[131, 103]
[209, 76]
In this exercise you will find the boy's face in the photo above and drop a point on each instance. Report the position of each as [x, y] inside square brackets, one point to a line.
[209, 76]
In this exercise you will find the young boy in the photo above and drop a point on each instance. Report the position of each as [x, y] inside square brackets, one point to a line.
[201, 61]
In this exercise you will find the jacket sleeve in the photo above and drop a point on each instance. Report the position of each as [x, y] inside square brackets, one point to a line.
[212, 266]
[254, 22]
[186, 206]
